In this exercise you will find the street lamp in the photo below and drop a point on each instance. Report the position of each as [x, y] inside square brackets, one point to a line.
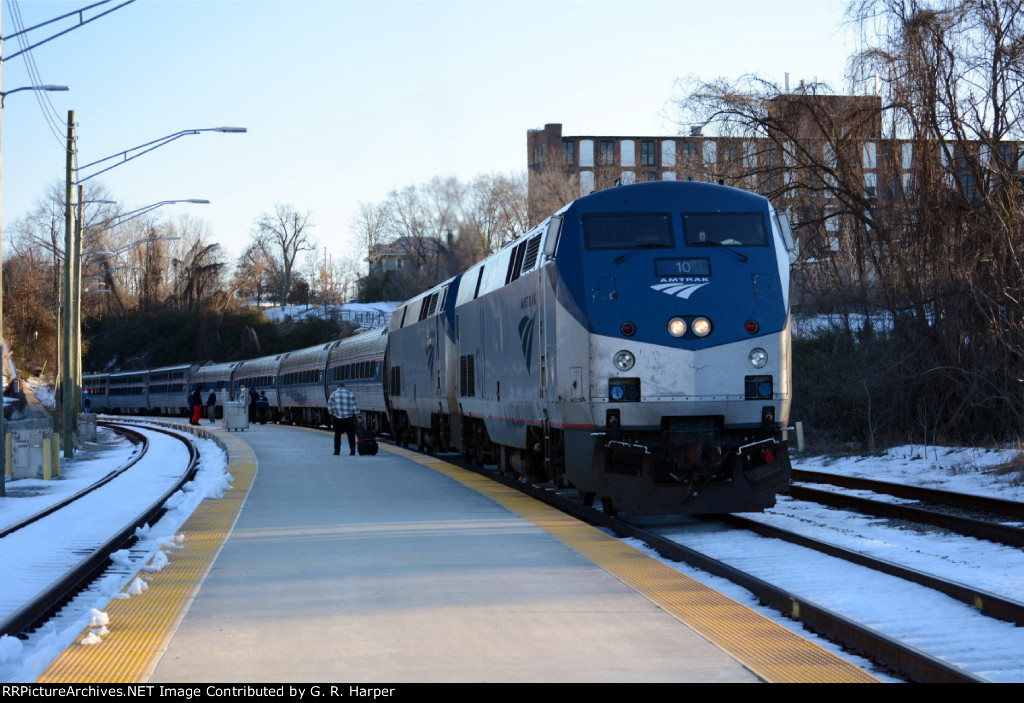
[121, 219]
[36, 88]
[137, 151]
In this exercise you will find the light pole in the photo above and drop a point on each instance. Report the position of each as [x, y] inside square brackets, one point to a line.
[72, 249]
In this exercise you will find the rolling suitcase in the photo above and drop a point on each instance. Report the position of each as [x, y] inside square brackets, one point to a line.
[366, 443]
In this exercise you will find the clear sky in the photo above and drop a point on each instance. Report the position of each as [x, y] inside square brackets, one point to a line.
[347, 100]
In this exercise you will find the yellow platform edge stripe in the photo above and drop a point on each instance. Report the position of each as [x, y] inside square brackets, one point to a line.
[142, 626]
[771, 651]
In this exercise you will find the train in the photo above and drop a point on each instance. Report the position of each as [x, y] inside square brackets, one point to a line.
[634, 345]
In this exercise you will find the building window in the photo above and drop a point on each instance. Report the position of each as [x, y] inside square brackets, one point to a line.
[538, 158]
[668, 153]
[607, 153]
[586, 182]
[569, 153]
[869, 155]
[710, 158]
[870, 184]
[1008, 153]
[647, 153]
[627, 153]
[967, 183]
[749, 155]
[587, 153]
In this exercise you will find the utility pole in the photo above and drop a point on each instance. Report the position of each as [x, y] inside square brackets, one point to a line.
[76, 304]
[67, 382]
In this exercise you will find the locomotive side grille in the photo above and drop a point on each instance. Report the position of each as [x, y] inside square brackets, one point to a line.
[523, 259]
[429, 306]
[532, 249]
[515, 263]
[395, 386]
[467, 376]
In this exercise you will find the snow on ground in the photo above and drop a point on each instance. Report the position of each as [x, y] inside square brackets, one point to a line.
[364, 314]
[967, 470]
[996, 473]
[23, 662]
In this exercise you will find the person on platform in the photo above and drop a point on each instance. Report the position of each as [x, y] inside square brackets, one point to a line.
[253, 395]
[262, 405]
[343, 410]
[197, 405]
[211, 407]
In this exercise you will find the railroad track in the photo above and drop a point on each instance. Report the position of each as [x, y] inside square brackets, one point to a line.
[83, 559]
[989, 528]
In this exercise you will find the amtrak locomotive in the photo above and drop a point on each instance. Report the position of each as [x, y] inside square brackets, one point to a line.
[635, 345]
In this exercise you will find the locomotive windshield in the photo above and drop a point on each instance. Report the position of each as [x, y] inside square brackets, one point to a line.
[628, 230]
[730, 229]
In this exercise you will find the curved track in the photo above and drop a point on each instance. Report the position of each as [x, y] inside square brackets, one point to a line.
[54, 574]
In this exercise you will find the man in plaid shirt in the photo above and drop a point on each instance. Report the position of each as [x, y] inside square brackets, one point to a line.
[343, 410]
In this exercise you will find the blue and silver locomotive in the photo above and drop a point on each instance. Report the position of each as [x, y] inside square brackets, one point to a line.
[634, 345]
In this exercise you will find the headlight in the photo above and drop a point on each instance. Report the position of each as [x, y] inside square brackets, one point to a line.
[677, 327]
[701, 326]
[758, 358]
[624, 360]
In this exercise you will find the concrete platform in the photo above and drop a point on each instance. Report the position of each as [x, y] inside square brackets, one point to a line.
[380, 569]
[398, 568]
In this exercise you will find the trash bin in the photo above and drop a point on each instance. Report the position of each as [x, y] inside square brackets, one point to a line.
[236, 415]
[27, 453]
[87, 427]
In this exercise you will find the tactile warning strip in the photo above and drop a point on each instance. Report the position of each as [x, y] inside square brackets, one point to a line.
[771, 651]
[141, 626]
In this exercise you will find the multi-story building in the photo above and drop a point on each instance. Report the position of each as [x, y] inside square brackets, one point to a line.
[822, 158]
[593, 162]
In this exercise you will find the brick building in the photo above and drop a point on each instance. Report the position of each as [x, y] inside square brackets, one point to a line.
[824, 160]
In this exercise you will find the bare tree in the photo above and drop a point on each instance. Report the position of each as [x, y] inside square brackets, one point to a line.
[371, 225]
[552, 187]
[495, 210]
[196, 264]
[283, 235]
[423, 234]
[253, 273]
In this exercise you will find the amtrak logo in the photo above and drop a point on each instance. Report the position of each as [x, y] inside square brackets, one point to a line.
[526, 325]
[681, 287]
